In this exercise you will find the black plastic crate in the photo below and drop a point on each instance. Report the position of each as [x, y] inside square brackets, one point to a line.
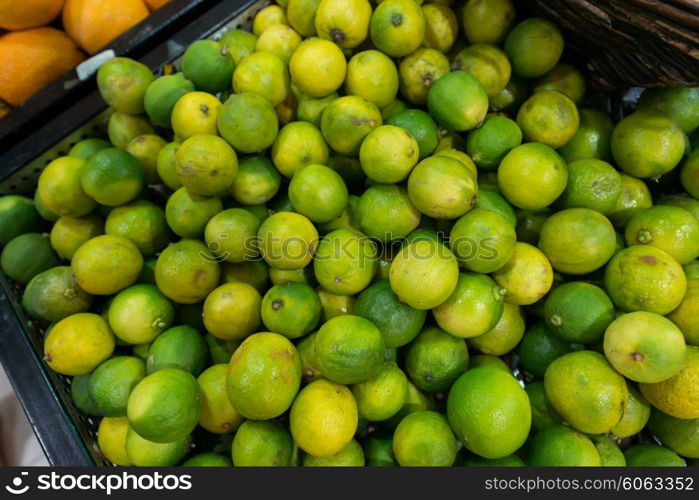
[67, 436]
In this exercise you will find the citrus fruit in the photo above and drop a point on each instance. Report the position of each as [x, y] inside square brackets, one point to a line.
[592, 184]
[636, 414]
[634, 197]
[301, 16]
[645, 347]
[240, 43]
[40, 208]
[162, 95]
[77, 344]
[112, 382]
[301, 275]
[532, 161]
[534, 47]
[561, 446]
[231, 235]
[424, 274]
[18, 215]
[689, 175]
[221, 350]
[677, 396]
[206, 165]
[123, 128]
[208, 65]
[180, 347]
[647, 143]
[418, 71]
[458, 101]
[195, 113]
[112, 177]
[287, 240]
[609, 453]
[347, 121]
[323, 418]
[421, 126]
[139, 314]
[373, 76]
[232, 311]
[264, 376]
[318, 67]
[487, 21]
[442, 187]
[144, 453]
[349, 349]
[248, 122]
[318, 192]
[55, 294]
[268, 16]
[474, 307]
[378, 449]
[680, 435]
[548, 117]
[274, 87]
[111, 439]
[397, 27]
[388, 154]
[61, 191]
[577, 240]
[424, 438]
[579, 312]
[381, 396]
[441, 26]
[645, 278]
[123, 82]
[527, 276]
[488, 144]
[399, 215]
[511, 97]
[186, 272]
[487, 63]
[187, 213]
[489, 411]
[298, 144]
[686, 316]
[345, 22]
[80, 394]
[399, 323]
[505, 335]
[345, 262]
[280, 40]
[166, 166]
[586, 391]
[141, 222]
[592, 139]
[69, 233]
[543, 414]
[257, 181]
[351, 455]
[457, 155]
[291, 309]
[146, 148]
[106, 264]
[539, 348]
[208, 460]
[262, 444]
[217, 415]
[310, 109]
[165, 406]
[28, 14]
[652, 455]
[435, 359]
[672, 229]
[681, 103]
[482, 240]
[26, 256]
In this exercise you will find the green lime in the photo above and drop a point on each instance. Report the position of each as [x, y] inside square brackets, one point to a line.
[634, 197]
[112, 382]
[141, 222]
[345, 262]
[162, 95]
[220, 350]
[543, 414]
[511, 97]
[385, 212]
[378, 449]
[680, 435]
[306, 350]
[186, 272]
[592, 184]
[187, 213]
[488, 144]
[112, 177]
[275, 87]
[548, 117]
[166, 165]
[482, 240]
[561, 446]
[248, 122]
[442, 187]
[257, 181]
[230, 235]
[146, 148]
[383, 395]
[262, 444]
[87, 147]
[424, 438]
[144, 453]
[69, 233]
[476, 398]
[591, 140]
[417, 73]
[298, 145]
[652, 455]
[586, 391]
[60, 190]
[609, 453]
[534, 47]
[208, 65]
[678, 395]
[55, 294]
[291, 309]
[435, 359]
[681, 103]
[310, 109]
[139, 314]
[492, 200]
[349, 349]
[504, 336]
[686, 315]
[208, 460]
[636, 414]
[489, 21]
[318, 192]
[318, 67]
[26, 256]
[180, 347]
[564, 78]
[373, 76]
[111, 439]
[458, 101]
[388, 154]
[669, 228]
[397, 27]
[539, 348]
[80, 394]
[265, 363]
[195, 113]
[206, 165]
[351, 455]
[347, 121]
[579, 312]
[421, 126]
[123, 128]
[123, 82]
[399, 323]
[487, 63]
[240, 43]
[527, 276]
[280, 40]
[287, 240]
[232, 311]
[488, 360]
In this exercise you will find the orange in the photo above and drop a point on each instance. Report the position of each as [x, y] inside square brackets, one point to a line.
[25, 14]
[95, 23]
[155, 4]
[32, 59]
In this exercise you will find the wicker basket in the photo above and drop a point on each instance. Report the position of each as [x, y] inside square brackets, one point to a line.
[622, 43]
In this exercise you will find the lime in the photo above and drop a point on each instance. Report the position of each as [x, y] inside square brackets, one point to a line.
[388, 154]
[141, 222]
[257, 181]
[232, 311]
[488, 360]
[123, 128]
[681, 103]
[112, 177]
[144, 453]
[221, 350]
[87, 147]
[652, 455]
[492, 200]
[534, 47]
[26, 256]
[647, 143]
[561, 446]
[424, 438]
[310, 109]
[318, 67]
[298, 144]
[543, 414]
[424, 274]
[482, 240]
[208, 460]
[195, 113]
[385, 212]
[686, 316]
[458, 101]
[489, 411]
[487, 21]
[504, 336]
[162, 95]
[55, 294]
[645, 278]
[112, 382]
[280, 40]
[579, 312]
[345, 262]
[206, 165]
[677, 396]
[609, 453]
[60, 191]
[421, 126]
[539, 348]
[122, 83]
[18, 215]
[275, 87]
[586, 391]
[548, 117]
[383, 395]
[397, 27]
[564, 78]
[634, 197]
[680, 435]
[318, 192]
[262, 444]
[577, 240]
[323, 418]
[371, 75]
[166, 165]
[378, 449]
[527, 276]
[488, 144]
[636, 414]
[351, 455]
[240, 43]
[435, 359]
[248, 122]
[418, 71]
[69, 233]
[458, 155]
[347, 121]
[231, 235]
[645, 347]
[264, 376]
[146, 148]
[593, 184]
[511, 97]
[187, 213]
[291, 309]
[106, 264]
[208, 65]
[287, 240]
[349, 349]
[268, 16]
[689, 175]
[306, 350]
[180, 347]
[139, 314]
[186, 272]
[672, 229]
[487, 63]
[111, 439]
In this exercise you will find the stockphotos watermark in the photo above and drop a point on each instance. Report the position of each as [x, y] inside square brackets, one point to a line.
[99, 482]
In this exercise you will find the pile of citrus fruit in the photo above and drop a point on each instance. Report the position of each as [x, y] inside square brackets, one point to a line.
[376, 235]
[34, 51]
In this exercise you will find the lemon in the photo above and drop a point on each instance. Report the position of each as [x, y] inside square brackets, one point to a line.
[111, 438]
[195, 113]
